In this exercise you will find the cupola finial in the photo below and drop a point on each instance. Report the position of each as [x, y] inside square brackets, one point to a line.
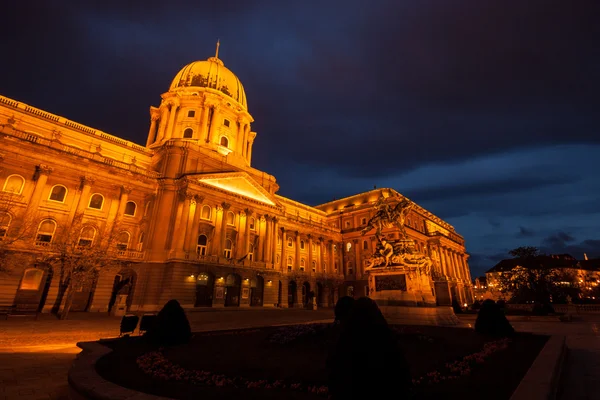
[217, 52]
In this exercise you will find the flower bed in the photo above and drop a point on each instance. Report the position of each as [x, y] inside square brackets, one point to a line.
[289, 362]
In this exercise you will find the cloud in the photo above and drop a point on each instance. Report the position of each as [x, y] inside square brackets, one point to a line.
[524, 232]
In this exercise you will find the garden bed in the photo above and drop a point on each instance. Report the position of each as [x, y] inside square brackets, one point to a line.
[289, 362]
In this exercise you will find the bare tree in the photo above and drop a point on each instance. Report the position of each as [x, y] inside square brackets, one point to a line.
[77, 254]
[541, 284]
[525, 252]
[17, 229]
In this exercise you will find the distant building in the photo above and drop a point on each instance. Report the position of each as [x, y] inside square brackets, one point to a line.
[586, 273]
[194, 220]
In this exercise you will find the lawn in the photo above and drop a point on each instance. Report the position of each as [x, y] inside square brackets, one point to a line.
[276, 356]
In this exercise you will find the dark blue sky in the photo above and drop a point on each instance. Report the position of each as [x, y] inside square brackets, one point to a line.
[487, 113]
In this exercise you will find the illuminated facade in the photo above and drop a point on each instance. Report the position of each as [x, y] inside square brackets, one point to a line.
[194, 219]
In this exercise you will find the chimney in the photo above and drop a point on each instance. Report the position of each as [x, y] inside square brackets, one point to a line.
[585, 256]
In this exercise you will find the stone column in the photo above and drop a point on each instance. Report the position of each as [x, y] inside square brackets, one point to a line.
[226, 207]
[239, 135]
[173, 113]
[250, 143]
[358, 267]
[297, 260]
[204, 124]
[41, 173]
[80, 197]
[268, 229]
[440, 252]
[310, 255]
[321, 256]
[194, 223]
[213, 125]
[331, 258]
[249, 213]
[274, 235]
[283, 250]
[340, 258]
[162, 125]
[244, 136]
[153, 125]
[125, 191]
[117, 209]
[261, 237]
[240, 240]
[182, 239]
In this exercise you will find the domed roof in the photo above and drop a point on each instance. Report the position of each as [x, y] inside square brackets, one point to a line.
[213, 74]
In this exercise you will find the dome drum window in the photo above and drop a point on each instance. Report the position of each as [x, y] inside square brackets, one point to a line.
[224, 141]
[226, 122]
[191, 113]
[58, 193]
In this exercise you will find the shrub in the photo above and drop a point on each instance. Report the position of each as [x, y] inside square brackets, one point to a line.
[171, 326]
[501, 304]
[492, 321]
[542, 309]
[456, 307]
[476, 305]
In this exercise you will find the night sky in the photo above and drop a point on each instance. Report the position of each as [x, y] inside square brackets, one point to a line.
[486, 113]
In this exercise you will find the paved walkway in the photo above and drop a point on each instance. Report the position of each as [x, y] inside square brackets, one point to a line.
[35, 356]
[581, 379]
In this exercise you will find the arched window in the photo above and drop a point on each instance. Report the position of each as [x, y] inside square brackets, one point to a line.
[314, 247]
[96, 201]
[277, 259]
[252, 221]
[224, 141]
[206, 212]
[335, 248]
[227, 250]
[14, 184]
[290, 242]
[45, 232]
[188, 133]
[202, 243]
[251, 252]
[314, 266]
[123, 241]
[347, 224]
[290, 263]
[5, 220]
[87, 235]
[324, 266]
[140, 245]
[32, 278]
[302, 245]
[350, 291]
[335, 266]
[302, 263]
[230, 218]
[58, 193]
[348, 247]
[130, 208]
[365, 245]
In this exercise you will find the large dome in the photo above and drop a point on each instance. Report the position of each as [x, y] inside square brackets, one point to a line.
[211, 74]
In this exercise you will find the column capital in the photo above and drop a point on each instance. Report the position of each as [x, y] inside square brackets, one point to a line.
[43, 169]
[87, 180]
[199, 199]
[275, 220]
[310, 236]
[226, 206]
[249, 212]
[126, 189]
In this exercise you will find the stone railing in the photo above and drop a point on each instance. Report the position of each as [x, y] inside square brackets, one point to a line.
[82, 153]
[130, 254]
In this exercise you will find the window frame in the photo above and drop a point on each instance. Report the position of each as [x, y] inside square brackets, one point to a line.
[135, 207]
[201, 249]
[52, 191]
[39, 272]
[120, 243]
[227, 250]
[232, 223]
[226, 122]
[188, 129]
[192, 112]
[21, 188]
[226, 140]
[206, 206]
[39, 242]
[91, 242]
[101, 204]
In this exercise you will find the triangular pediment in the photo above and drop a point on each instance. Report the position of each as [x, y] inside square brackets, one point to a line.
[239, 183]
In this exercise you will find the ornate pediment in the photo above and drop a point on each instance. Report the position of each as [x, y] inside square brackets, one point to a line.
[239, 183]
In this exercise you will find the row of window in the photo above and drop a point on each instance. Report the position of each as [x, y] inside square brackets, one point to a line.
[15, 184]
[206, 214]
[192, 114]
[47, 231]
[188, 133]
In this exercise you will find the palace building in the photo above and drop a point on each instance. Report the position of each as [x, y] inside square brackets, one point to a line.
[191, 218]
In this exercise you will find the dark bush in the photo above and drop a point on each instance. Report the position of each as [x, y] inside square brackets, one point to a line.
[476, 305]
[542, 309]
[492, 321]
[171, 326]
[501, 304]
[456, 307]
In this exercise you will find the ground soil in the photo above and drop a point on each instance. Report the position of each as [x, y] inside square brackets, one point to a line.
[249, 354]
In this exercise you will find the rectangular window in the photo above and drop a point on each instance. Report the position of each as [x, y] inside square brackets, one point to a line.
[226, 122]
[191, 114]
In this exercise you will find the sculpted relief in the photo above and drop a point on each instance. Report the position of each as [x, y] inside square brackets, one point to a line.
[401, 253]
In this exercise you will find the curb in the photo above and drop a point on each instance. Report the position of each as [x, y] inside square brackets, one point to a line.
[86, 384]
[542, 380]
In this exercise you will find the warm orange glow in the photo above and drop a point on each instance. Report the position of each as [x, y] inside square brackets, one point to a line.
[239, 184]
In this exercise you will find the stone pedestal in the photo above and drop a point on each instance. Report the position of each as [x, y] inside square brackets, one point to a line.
[405, 297]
